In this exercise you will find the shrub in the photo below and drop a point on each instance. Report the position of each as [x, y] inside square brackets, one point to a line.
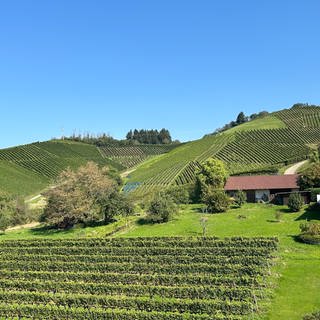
[310, 177]
[240, 198]
[179, 194]
[295, 202]
[310, 232]
[278, 215]
[161, 208]
[313, 316]
[314, 192]
[114, 204]
[216, 201]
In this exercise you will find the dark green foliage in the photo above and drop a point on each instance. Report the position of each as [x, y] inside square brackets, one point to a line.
[310, 232]
[295, 202]
[114, 204]
[240, 198]
[161, 209]
[241, 118]
[312, 316]
[149, 136]
[310, 178]
[179, 194]
[314, 193]
[13, 211]
[216, 201]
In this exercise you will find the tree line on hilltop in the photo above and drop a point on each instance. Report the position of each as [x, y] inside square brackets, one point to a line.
[133, 137]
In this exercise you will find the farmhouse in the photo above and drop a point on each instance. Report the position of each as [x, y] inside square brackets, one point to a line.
[265, 188]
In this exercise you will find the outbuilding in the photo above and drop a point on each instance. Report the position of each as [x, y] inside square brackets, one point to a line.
[263, 188]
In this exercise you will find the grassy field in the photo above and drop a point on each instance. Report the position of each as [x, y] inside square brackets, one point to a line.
[296, 275]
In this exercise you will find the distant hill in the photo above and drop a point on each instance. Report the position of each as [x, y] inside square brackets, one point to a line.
[30, 168]
[261, 145]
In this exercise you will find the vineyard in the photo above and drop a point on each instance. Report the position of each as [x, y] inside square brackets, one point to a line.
[130, 156]
[302, 117]
[259, 146]
[34, 165]
[135, 278]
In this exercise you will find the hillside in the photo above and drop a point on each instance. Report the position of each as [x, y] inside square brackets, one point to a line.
[30, 168]
[261, 145]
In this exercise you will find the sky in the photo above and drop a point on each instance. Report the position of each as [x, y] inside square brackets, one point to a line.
[187, 65]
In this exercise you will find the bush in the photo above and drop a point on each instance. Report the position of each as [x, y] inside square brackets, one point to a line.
[179, 194]
[310, 232]
[295, 202]
[240, 198]
[310, 177]
[313, 316]
[314, 192]
[216, 201]
[114, 204]
[161, 208]
[12, 211]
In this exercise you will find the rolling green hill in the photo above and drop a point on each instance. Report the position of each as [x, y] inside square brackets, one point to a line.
[260, 145]
[30, 168]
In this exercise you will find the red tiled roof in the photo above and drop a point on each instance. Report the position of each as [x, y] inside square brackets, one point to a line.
[289, 181]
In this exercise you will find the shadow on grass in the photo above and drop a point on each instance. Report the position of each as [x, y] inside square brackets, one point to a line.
[311, 213]
[285, 210]
[49, 230]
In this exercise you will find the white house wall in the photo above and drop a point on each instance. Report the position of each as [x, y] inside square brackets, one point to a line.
[260, 194]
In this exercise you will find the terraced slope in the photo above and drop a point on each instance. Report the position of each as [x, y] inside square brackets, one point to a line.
[130, 156]
[134, 278]
[260, 145]
[29, 168]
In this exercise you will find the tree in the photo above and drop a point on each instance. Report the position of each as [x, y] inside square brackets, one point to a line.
[161, 208]
[179, 194]
[216, 201]
[310, 177]
[295, 202]
[112, 204]
[212, 174]
[75, 197]
[6, 211]
[241, 118]
[13, 211]
[240, 198]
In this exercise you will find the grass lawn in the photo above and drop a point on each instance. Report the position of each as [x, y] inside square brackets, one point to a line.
[296, 275]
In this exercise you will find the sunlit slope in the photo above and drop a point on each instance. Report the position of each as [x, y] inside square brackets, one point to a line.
[260, 145]
[17, 180]
[29, 168]
[130, 156]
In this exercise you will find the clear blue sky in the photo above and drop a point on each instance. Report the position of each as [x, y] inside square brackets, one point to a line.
[189, 66]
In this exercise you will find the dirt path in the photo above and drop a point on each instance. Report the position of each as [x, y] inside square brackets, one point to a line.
[34, 198]
[126, 173]
[23, 226]
[293, 169]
